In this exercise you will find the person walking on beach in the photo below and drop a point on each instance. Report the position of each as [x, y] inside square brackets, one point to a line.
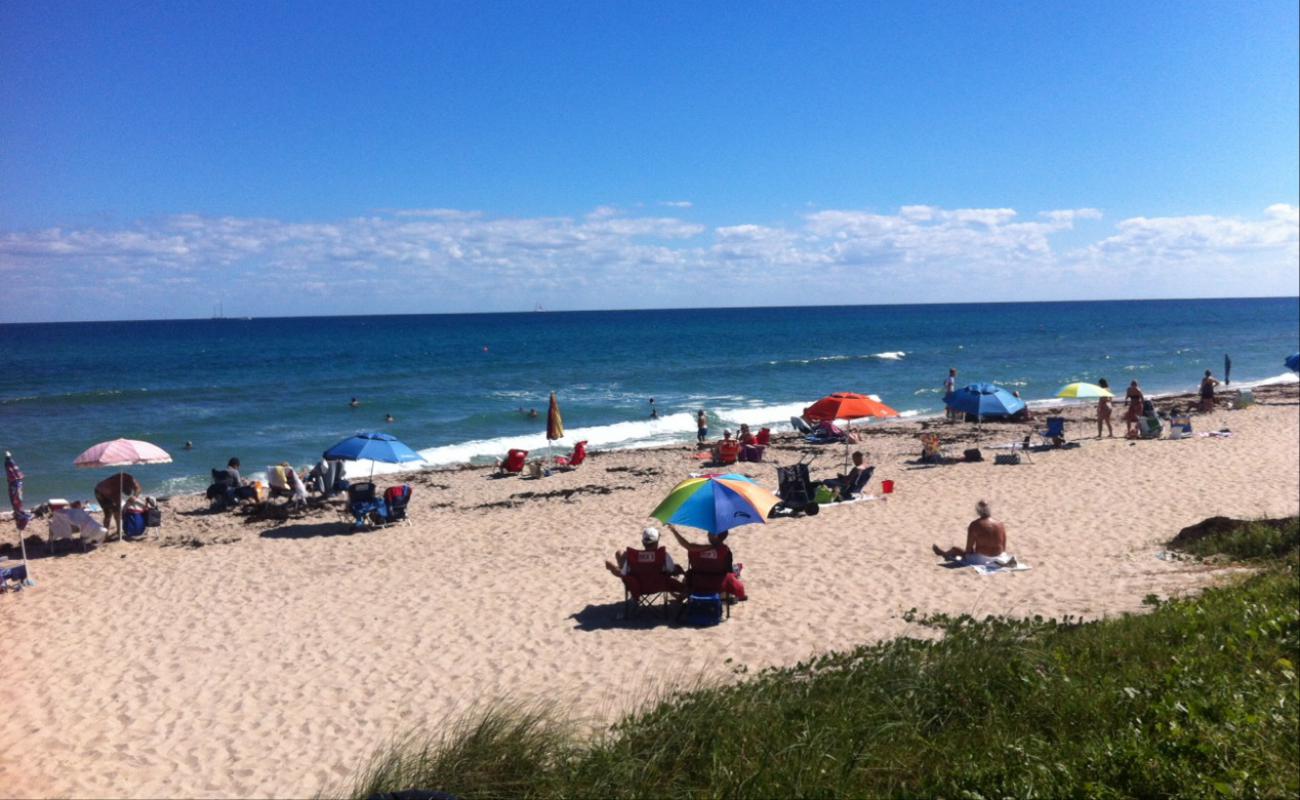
[949, 387]
[701, 427]
[1104, 411]
[1207, 392]
[986, 539]
[1134, 411]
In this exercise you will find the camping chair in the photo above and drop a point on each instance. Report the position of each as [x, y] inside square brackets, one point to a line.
[223, 491]
[1055, 433]
[931, 448]
[645, 583]
[727, 452]
[393, 508]
[579, 455]
[278, 479]
[1150, 427]
[764, 437]
[361, 503]
[864, 477]
[513, 463]
[1180, 426]
[708, 570]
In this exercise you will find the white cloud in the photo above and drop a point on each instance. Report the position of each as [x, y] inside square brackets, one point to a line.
[451, 260]
[676, 203]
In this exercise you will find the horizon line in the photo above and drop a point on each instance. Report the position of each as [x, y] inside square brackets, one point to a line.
[244, 318]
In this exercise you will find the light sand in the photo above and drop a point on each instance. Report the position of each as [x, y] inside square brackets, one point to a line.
[272, 660]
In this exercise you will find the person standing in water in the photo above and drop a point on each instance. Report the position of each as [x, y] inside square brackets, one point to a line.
[701, 427]
[654, 412]
[949, 388]
[1227, 370]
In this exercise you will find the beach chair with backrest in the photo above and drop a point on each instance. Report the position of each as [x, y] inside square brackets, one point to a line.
[1180, 426]
[764, 437]
[578, 456]
[931, 449]
[513, 463]
[1150, 427]
[645, 582]
[393, 509]
[1054, 434]
[278, 479]
[864, 477]
[728, 451]
[705, 577]
[222, 492]
[361, 503]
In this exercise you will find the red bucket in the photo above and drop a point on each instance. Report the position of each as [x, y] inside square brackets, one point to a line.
[887, 487]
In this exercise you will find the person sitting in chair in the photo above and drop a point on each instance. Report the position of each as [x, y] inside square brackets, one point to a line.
[845, 486]
[731, 583]
[727, 450]
[621, 567]
[986, 540]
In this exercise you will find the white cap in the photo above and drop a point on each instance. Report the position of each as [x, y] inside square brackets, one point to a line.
[650, 536]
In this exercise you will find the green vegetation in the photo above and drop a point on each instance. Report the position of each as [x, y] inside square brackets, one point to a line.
[1198, 698]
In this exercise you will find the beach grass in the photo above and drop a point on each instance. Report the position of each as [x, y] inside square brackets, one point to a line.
[1197, 698]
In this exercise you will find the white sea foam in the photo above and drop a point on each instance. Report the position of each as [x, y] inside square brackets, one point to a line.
[1276, 380]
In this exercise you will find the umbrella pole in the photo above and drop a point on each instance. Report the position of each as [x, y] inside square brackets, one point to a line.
[120, 503]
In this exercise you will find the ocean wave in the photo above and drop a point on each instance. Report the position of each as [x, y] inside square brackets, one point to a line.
[888, 355]
[1276, 380]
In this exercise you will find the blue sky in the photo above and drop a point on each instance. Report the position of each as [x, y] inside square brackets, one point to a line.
[462, 157]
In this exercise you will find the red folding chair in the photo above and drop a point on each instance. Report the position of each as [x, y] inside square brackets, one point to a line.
[513, 464]
[579, 455]
[646, 582]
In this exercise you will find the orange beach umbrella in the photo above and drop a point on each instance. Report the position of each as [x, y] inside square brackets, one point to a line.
[847, 405]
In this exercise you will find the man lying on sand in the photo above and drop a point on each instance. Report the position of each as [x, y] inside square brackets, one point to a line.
[986, 541]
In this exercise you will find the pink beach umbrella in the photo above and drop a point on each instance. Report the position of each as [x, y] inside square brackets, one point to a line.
[122, 453]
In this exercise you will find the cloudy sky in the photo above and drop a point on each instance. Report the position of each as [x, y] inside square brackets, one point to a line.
[288, 158]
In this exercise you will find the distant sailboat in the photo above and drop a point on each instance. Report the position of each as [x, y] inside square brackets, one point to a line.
[538, 308]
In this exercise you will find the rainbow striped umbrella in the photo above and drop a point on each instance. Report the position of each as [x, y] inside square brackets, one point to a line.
[716, 503]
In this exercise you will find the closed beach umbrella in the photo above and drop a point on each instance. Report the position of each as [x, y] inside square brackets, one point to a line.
[121, 453]
[1083, 390]
[372, 447]
[716, 503]
[847, 406]
[554, 422]
[1293, 362]
[985, 400]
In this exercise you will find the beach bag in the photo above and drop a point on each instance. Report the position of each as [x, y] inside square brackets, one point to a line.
[133, 523]
[974, 454]
[1006, 458]
[153, 518]
[704, 610]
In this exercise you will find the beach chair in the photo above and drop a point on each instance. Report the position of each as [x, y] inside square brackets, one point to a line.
[1180, 426]
[704, 580]
[764, 437]
[223, 493]
[645, 582]
[1055, 432]
[361, 503]
[578, 456]
[278, 479]
[513, 463]
[1150, 427]
[931, 448]
[800, 425]
[827, 432]
[727, 452]
[66, 522]
[393, 508]
[859, 485]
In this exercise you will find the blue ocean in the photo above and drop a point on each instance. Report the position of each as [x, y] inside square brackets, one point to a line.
[459, 386]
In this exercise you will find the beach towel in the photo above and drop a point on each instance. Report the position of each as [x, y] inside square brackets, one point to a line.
[987, 565]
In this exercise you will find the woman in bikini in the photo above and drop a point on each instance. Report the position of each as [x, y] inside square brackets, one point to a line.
[1134, 411]
[1104, 411]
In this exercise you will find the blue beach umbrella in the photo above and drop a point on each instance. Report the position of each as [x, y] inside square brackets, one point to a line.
[1293, 362]
[372, 447]
[985, 400]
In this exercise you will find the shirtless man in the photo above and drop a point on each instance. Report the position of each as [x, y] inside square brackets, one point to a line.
[986, 538]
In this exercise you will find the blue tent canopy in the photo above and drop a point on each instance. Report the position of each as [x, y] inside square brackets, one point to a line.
[985, 400]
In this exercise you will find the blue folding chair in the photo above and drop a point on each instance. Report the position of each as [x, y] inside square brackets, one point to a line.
[1055, 433]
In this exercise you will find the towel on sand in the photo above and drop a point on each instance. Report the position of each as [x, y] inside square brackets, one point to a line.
[988, 565]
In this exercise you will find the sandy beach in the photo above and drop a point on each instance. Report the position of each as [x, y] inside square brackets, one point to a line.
[235, 658]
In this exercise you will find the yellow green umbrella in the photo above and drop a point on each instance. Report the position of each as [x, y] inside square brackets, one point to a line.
[1080, 391]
